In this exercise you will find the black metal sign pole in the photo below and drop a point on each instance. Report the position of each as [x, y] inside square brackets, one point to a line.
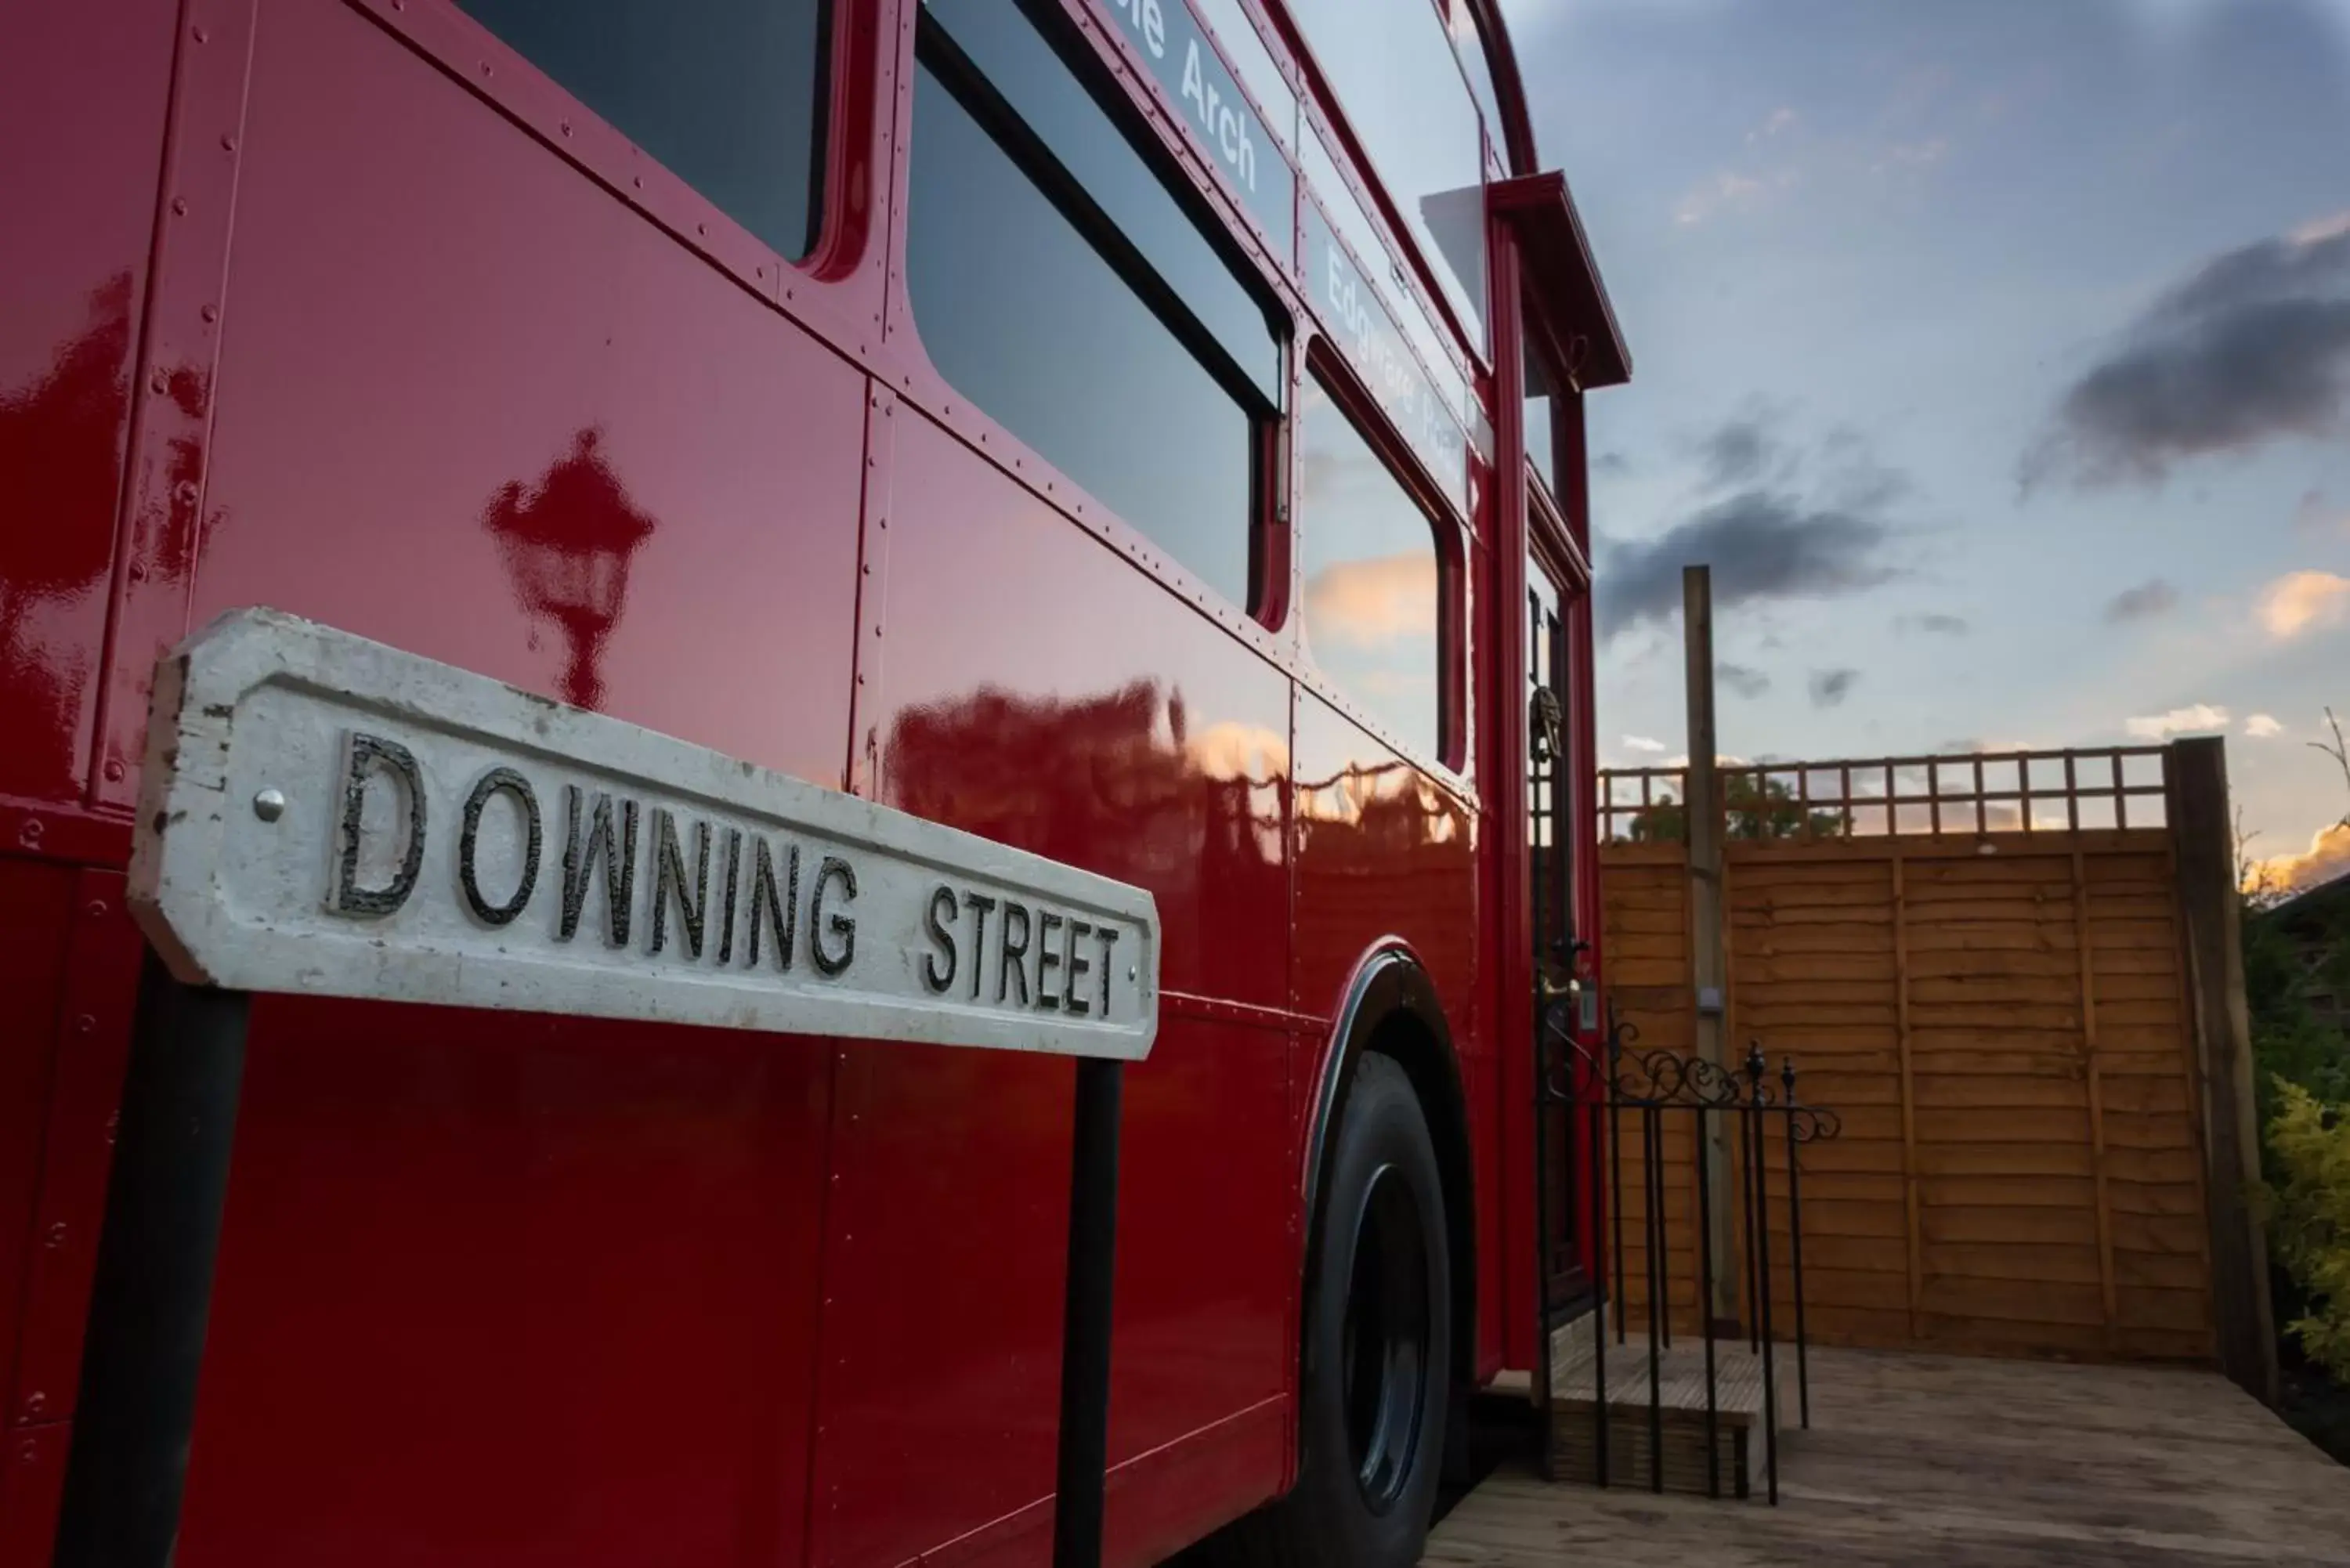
[1084, 1460]
[152, 1292]
[151, 1298]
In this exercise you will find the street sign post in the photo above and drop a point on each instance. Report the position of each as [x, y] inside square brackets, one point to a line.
[325, 815]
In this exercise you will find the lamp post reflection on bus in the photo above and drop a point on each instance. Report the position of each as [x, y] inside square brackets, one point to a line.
[568, 543]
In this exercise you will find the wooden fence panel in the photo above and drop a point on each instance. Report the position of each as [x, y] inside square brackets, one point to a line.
[2001, 1021]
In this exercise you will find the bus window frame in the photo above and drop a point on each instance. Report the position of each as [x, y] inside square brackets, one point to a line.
[1322, 109]
[1569, 514]
[1325, 361]
[1403, 265]
[1133, 72]
[836, 290]
[1275, 633]
[1391, 282]
[1551, 535]
[907, 366]
[1460, 508]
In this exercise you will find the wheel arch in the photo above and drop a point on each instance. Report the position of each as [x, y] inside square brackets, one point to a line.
[1391, 1006]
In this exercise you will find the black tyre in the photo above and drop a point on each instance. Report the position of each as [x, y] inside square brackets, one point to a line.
[1378, 1334]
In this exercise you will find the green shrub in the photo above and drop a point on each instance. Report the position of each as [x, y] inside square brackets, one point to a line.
[2309, 1142]
[2290, 1041]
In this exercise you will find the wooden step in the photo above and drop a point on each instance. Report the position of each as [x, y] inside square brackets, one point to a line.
[1675, 1444]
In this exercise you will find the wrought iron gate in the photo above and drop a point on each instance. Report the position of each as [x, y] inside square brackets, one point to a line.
[1619, 1101]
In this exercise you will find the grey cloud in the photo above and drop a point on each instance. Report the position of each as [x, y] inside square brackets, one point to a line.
[1742, 679]
[2148, 599]
[1939, 624]
[2251, 349]
[1831, 687]
[1867, 487]
[1736, 454]
[1761, 546]
[1853, 478]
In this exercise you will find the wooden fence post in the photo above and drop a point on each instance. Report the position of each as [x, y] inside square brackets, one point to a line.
[2213, 910]
[1708, 966]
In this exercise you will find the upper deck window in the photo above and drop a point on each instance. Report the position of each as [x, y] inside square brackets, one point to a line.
[1238, 37]
[1391, 64]
[1059, 282]
[1469, 43]
[729, 95]
[1203, 93]
[1541, 412]
[1357, 319]
[1346, 215]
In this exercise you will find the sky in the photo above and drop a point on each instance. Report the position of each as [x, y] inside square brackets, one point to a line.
[1996, 356]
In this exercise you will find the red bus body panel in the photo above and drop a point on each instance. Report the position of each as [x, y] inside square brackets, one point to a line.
[306, 301]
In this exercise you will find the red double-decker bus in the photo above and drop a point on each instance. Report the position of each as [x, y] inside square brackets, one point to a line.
[1143, 432]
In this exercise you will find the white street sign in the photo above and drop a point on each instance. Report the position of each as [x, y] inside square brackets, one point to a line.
[325, 815]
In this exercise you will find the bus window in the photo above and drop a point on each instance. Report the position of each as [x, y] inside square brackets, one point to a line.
[1469, 43]
[729, 95]
[1245, 48]
[1058, 281]
[1390, 65]
[1367, 555]
[1542, 389]
[1346, 215]
[1357, 319]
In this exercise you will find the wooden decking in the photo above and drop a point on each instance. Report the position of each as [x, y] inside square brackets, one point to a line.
[1956, 1462]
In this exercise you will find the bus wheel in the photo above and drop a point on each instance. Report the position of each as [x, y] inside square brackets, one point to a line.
[1378, 1347]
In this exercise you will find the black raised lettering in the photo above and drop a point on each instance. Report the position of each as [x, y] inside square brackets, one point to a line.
[496, 782]
[1011, 958]
[938, 980]
[579, 858]
[1076, 966]
[834, 869]
[669, 879]
[1049, 959]
[1107, 937]
[979, 904]
[781, 908]
[726, 914]
[365, 754]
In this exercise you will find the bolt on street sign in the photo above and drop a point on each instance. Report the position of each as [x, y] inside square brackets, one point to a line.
[323, 815]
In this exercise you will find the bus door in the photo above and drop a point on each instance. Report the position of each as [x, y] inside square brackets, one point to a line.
[1565, 1020]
